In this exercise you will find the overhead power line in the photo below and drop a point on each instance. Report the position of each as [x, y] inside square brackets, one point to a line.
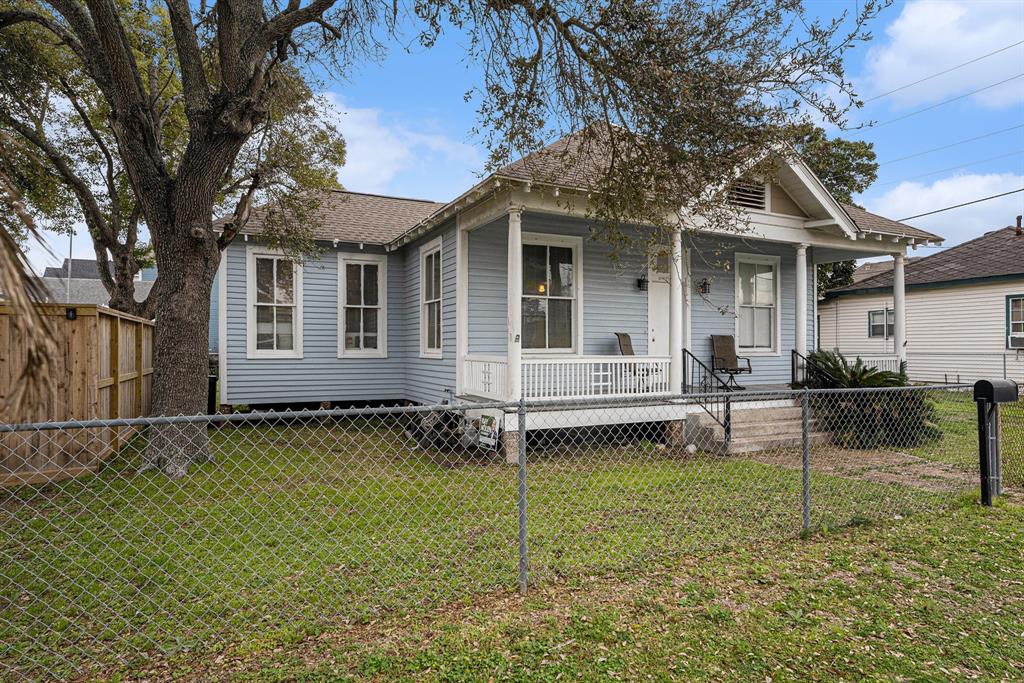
[952, 144]
[944, 102]
[957, 206]
[942, 73]
[949, 168]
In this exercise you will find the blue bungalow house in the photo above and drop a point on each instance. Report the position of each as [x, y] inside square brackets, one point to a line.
[502, 293]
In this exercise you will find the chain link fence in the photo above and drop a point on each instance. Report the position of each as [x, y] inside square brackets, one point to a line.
[296, 521]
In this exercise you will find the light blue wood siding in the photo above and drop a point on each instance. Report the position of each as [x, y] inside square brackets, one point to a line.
[429, 380]
[319, 375]
[612, 302]
[714, 259]
[488, 283]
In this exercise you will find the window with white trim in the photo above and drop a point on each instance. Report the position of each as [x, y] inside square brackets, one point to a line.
[757, 296]
[274, 316]
[1015, 322]
[362, 300]
[550, 291]
[881, 324]
[430, 299]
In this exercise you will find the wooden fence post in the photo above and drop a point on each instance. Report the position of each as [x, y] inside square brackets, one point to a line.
[139, 331]
[115, 369]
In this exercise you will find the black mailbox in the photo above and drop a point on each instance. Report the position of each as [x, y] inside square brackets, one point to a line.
[995, 390]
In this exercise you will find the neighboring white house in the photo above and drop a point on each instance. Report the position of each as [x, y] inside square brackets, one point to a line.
[964, 313]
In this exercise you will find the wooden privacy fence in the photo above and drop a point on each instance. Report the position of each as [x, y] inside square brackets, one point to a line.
[104, 369]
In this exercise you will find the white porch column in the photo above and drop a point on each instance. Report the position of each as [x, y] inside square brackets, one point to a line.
[801, 299]
[675, 315]
[899, 307]
[514, 380]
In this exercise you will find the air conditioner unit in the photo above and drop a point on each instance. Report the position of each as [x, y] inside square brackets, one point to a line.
[1015, 342]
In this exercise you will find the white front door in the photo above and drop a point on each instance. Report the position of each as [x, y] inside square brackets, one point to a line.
[658, 308]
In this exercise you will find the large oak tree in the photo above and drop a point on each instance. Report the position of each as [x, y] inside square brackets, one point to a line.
[169, 113]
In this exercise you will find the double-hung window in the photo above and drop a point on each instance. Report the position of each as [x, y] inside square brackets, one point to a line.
[430, 299]
[757, 301]
[362, 298]
[1015, 321]
[881, 323]
[274, 315]
[550, 292]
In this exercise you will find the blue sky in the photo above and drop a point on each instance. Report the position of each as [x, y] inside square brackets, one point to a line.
[408, 127]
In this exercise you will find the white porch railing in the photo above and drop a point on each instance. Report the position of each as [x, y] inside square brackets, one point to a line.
[571, 377]
[882, 362]
[485, 376]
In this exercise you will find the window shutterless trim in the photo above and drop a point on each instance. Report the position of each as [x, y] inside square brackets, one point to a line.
[381, 261]
[574, 243]
[776, 263]
[251, 254]
[888, 328]
[433, 246]
[1010, 298]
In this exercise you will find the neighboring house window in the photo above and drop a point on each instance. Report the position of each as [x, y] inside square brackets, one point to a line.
[363, 297]
[881, 323]
[1015, 322]
[430, 299]
[274, 316]
[757, 294]
[550, 292]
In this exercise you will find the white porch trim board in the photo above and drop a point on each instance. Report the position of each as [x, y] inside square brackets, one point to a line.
[675, 313]
[899, 307]
[514, 378]
[801, 299]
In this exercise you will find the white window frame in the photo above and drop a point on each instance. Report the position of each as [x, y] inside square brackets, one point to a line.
[1010, 334]
[576, 244]
[776, 263]
[434, 246]
[381, 261]
[886, 325]
[251, 254]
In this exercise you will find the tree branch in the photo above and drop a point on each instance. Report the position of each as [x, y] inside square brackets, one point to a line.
[190, 60]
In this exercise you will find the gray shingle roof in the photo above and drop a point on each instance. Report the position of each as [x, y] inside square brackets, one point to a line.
[80, 268]
[999, 253]
[871, 222]
[575, 161]
[87, 290]
[358, 217]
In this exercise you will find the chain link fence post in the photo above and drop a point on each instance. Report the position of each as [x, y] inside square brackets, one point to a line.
[523, 552]
[805, 415]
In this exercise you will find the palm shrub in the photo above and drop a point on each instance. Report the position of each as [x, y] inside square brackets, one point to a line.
[867, 419]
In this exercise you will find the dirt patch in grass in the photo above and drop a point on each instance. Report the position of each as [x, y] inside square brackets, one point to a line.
[878, 466]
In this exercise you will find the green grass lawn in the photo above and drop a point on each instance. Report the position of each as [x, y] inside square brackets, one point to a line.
[932, 598]
[296, 528]
[957, 416]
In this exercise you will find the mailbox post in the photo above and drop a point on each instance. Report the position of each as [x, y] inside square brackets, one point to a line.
[989, 394]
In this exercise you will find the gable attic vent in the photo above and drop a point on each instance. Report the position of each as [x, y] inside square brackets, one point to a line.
[749, 195]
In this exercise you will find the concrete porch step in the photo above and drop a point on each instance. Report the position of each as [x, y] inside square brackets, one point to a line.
[743, 430]
[754, 444]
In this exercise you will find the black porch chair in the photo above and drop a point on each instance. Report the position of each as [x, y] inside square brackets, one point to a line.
[725, 360]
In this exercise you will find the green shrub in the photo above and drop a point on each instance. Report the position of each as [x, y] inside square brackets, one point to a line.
[865, 420]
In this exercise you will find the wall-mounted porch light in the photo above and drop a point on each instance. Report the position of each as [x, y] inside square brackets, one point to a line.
[641, 284]
[704, 286]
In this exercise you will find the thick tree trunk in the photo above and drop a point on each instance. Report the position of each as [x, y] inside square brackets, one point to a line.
[187, 261]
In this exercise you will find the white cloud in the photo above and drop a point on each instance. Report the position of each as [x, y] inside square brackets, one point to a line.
[932, 35]
[958, 225]
[386, 155]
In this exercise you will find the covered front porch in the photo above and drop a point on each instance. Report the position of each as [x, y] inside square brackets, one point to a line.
[542, 307]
